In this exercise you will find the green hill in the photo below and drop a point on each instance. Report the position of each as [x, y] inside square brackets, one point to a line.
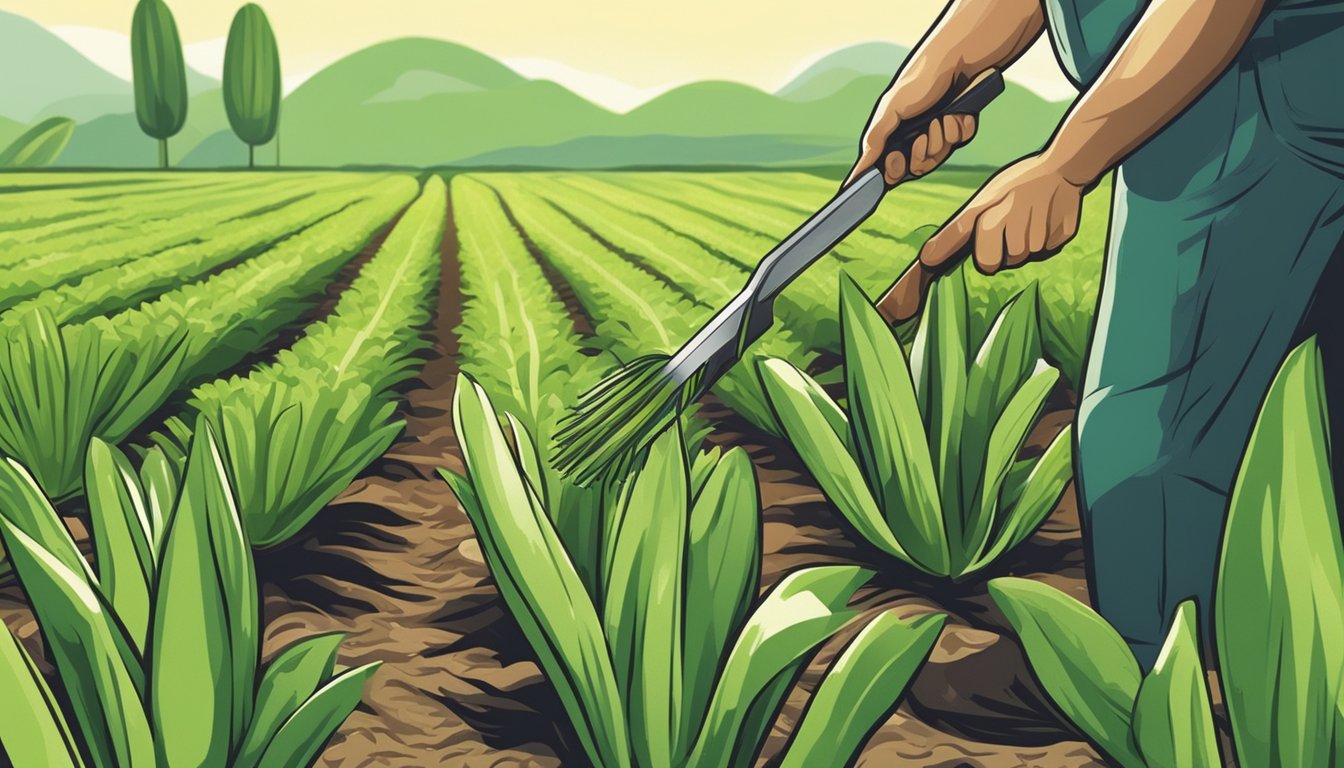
[423, 102]
[40, 69]
[832, 72]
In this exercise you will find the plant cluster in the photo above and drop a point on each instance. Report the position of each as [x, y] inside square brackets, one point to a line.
[158, 646]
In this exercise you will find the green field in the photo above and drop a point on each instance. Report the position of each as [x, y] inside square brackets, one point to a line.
[317, 321]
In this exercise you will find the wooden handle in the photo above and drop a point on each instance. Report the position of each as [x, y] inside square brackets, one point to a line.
[905, 298]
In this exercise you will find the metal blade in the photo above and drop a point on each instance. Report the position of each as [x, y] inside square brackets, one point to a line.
[722, 341]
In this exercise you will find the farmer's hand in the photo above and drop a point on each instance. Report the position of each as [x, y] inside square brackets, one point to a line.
[1029, 210]
[916, 91]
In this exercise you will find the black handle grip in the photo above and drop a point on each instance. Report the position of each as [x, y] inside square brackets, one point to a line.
[969, 102]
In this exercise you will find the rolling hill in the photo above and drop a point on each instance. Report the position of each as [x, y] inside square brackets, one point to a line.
[422, 102]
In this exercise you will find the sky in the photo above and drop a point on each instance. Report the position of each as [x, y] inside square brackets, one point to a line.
[617, 52]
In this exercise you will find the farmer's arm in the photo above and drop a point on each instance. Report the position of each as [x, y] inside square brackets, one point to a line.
[970, 37]
[1177, 49]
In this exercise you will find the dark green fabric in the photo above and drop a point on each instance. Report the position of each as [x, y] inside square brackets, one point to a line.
[1221, 228]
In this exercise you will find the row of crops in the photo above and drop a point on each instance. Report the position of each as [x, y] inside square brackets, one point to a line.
[136, 300]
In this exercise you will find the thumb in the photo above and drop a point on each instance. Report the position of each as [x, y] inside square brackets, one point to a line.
[953, 238]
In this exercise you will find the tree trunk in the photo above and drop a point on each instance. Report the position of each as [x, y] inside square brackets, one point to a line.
[251, 156]
[277, 149]
[163, 154]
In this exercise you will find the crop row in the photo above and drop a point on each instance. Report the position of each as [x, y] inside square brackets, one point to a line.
[60, 386]
[519, 343]
[637, 312]
[113, 246]
[296, 430]
[132, 282]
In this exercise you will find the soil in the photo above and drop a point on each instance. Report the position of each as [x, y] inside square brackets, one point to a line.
[394, 565]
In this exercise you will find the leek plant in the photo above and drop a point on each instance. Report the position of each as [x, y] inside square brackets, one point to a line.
[1278, 610]
[669, 665]
[158, 646]
[924, 462]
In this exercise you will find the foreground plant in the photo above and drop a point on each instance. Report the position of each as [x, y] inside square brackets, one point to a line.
[1279, 618]
[668, 665]
[924, 460]
[158, 647]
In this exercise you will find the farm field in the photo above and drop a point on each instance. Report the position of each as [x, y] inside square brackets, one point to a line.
[321, 320]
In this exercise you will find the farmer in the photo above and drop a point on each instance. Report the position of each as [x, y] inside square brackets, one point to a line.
[1224, 120]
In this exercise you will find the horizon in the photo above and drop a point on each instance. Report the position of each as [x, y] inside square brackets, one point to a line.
[638, 79]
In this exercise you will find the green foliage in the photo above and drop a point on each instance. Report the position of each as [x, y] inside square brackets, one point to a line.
[297, 431]
[158, 648]
[160, 73]
[252, 87]
[40, 145]
[924, 462]
[669, 664]
[104, 377]
[1278, 611]
[1278, 618]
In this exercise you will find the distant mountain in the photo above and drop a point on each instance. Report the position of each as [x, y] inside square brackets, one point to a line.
[423, 102]
[40, 69]
[832, 72]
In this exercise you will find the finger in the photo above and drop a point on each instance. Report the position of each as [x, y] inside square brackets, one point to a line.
[951, 239]
[894, 168]
[968, 126]
[936, 143]
[989, 243]
[951, 130]
[1038, 231]
[881, 125]
[919, 156]
[1015, 239]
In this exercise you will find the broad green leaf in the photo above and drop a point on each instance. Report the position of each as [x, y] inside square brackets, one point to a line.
[1005, 444]
[237, 576]
[799, 614]
[644, 611]
[303, 735]
[1280, 601]
[1006, 360]
[192, 647]
[98, 667]
[32, 729]
[1034, 498]
[825, 456]
[39, 146]
[722, 572]
[751, 734]
[536, 578]
[121, 537]
[863, 684]
[160, 481]
[24, 505]
[939, 365]
[1082, 662]
[889, 439]
[1173, 718]
[290, 680]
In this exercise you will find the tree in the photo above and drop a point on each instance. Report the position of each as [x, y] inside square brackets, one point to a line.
[252, 79]
[160, 73]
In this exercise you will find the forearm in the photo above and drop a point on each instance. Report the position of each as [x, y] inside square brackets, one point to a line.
[1176, 51]
[974, 35]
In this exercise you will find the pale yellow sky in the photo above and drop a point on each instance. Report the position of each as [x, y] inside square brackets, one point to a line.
[630, 50]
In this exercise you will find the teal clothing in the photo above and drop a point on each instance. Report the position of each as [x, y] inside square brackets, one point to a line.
[1221, 228]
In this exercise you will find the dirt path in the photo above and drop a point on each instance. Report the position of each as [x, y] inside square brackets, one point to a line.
[394, 565]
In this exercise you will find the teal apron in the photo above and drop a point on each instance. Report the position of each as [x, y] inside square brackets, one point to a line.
[1221, 228]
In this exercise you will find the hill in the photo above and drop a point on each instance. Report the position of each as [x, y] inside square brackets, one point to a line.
[833, 72]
